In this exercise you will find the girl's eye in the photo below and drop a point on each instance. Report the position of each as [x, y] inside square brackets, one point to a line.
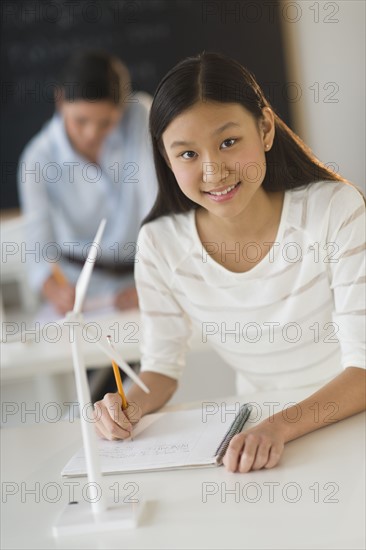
[229, 142]
[188, 153]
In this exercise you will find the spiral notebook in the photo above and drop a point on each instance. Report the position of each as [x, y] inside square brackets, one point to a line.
[193, 438]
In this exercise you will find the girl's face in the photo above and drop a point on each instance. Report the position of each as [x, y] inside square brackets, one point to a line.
[88, 123]
[217, 154]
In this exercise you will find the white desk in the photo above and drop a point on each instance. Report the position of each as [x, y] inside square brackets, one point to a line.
[176, 516]
[45, 356]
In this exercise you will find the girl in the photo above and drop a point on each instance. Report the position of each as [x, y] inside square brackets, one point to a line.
[93, 159]
[258, 245]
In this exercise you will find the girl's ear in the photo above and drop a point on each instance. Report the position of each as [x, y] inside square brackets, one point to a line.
[267, 125]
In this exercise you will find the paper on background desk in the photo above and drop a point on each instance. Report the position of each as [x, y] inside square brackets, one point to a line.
[169, 440]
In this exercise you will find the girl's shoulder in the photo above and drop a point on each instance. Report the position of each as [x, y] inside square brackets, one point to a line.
[323, 202]
[327, 192]
[171, 232]
[171, 225]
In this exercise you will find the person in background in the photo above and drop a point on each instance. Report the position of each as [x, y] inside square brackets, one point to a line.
[92, 160]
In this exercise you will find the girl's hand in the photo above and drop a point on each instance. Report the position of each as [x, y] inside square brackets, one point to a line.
[259, 447]
[111, 422]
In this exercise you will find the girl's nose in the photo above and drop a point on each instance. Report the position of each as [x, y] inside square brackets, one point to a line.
[214, 172]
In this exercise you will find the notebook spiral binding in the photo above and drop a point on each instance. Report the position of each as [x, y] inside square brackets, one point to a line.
[235, 428]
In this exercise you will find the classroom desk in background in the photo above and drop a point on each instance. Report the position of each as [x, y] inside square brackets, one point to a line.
[51, 355]
[314, 499]
[41, 372]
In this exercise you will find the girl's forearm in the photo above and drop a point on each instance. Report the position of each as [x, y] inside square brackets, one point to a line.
[342, 397]
[161, 390]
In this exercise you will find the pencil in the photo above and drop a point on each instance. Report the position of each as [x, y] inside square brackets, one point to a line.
[59, 275]
[117, 376]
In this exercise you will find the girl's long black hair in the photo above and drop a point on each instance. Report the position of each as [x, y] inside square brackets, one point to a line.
[214, 77]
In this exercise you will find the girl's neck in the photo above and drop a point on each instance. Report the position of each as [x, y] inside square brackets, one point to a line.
[261, 214]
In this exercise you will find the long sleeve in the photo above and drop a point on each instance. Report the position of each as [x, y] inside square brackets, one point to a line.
[165, 328]
[346, 266]
[36, 212]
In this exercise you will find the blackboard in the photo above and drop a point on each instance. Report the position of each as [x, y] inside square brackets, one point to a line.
[150, 36]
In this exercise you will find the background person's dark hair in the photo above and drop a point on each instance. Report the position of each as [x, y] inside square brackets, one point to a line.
[95, 76]
[214, 77]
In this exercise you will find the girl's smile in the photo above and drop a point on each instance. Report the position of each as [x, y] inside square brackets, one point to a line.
[222, 194]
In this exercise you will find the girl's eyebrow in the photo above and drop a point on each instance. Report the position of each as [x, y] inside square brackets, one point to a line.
[217, 131]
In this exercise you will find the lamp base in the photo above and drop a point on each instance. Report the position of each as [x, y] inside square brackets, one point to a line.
[78, 518]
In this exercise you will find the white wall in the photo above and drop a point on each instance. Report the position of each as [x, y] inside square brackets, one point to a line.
[324, 52]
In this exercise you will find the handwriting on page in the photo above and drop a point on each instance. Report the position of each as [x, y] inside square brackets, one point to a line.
[124, 450]
[161, 440]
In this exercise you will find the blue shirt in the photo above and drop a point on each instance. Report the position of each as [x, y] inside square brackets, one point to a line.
[64, 196]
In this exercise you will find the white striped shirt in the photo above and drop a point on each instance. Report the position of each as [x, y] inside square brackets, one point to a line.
[296, 318]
